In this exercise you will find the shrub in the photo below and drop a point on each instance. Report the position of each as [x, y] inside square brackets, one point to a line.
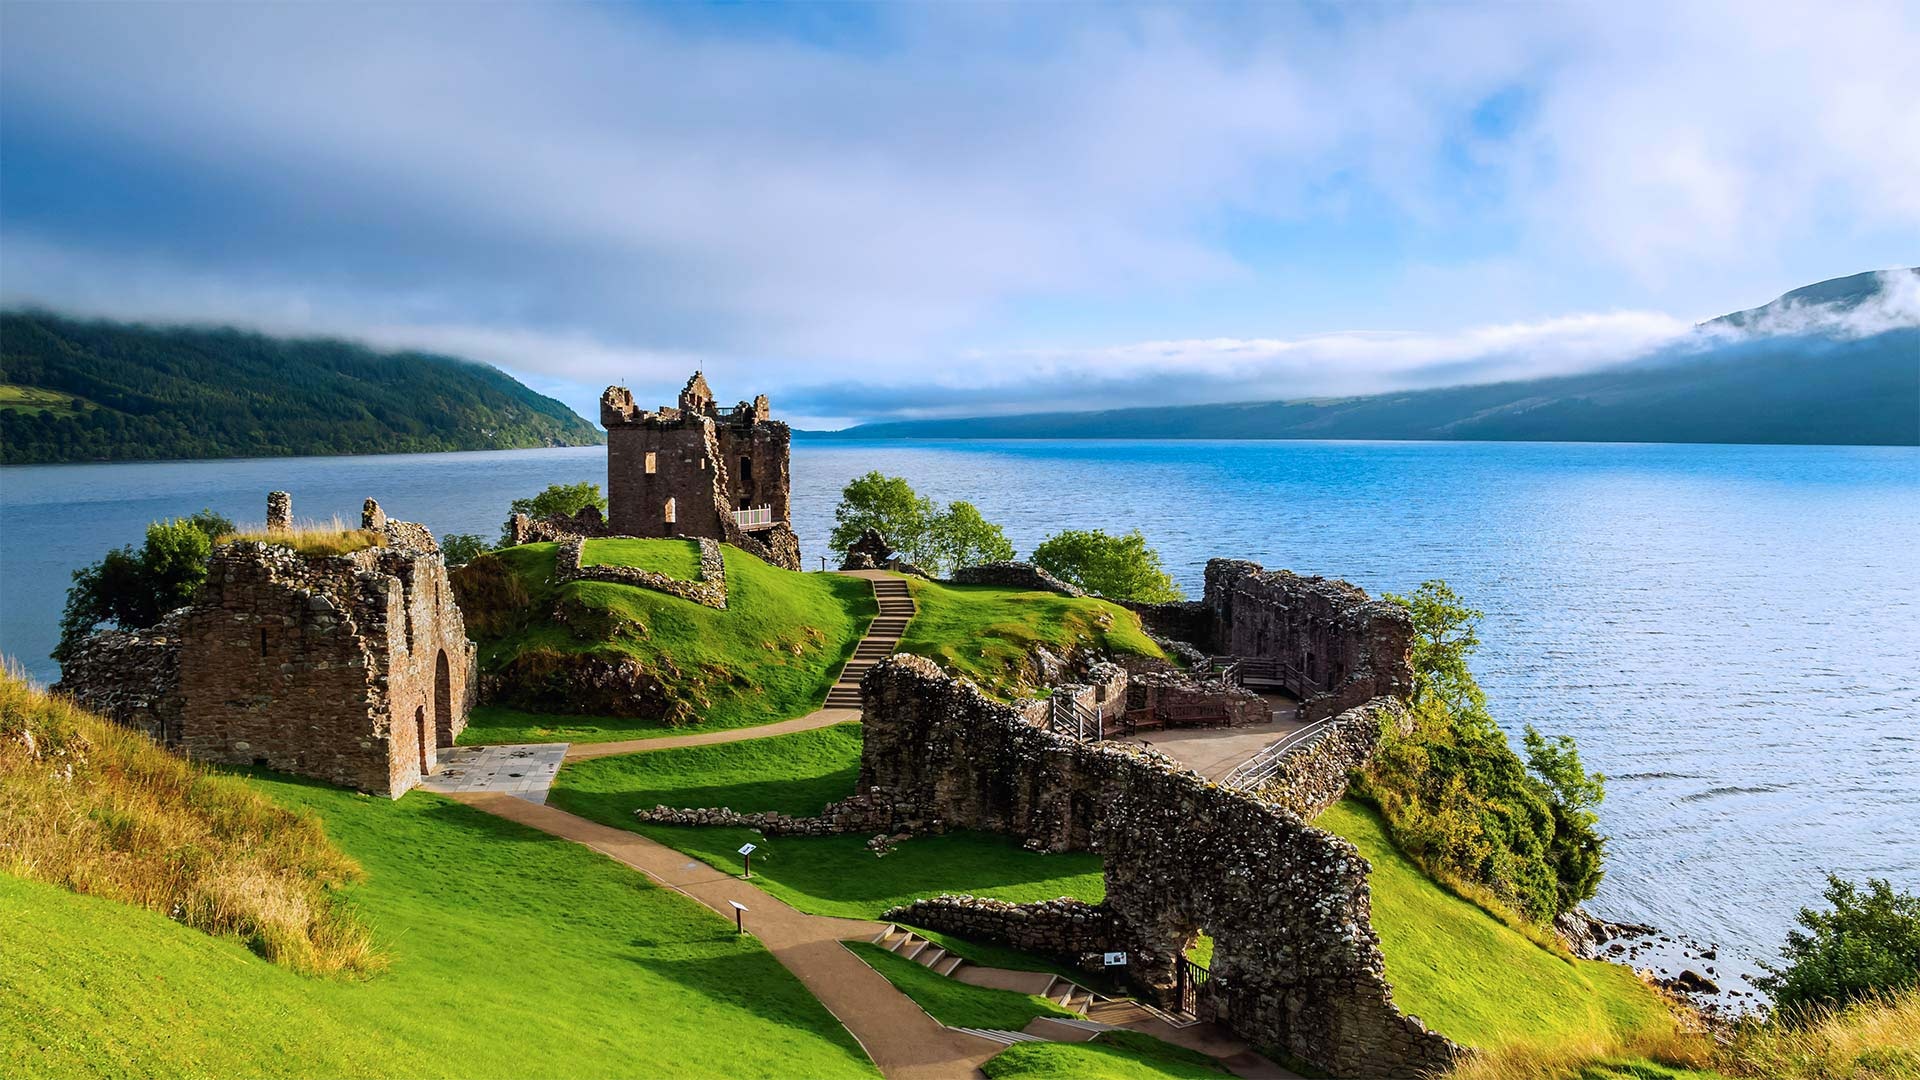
[564, 500]
[133, 589]
[460, 549]
[1867, 946]
[1116, 567]
[99, 809]
[1459, 800]
[939, 541]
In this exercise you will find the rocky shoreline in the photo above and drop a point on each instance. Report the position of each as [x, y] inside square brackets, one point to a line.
[1690, 970]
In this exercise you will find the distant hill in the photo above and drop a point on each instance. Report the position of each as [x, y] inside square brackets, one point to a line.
[79, 390]
[1823, 364]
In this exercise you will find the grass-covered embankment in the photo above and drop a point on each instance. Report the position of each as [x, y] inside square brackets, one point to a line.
[988, 633]
[952, 1002]
[96, 808]
[1472, 977]
[769, 656]
[513, 954]
[825, 875]
[1112, 1055]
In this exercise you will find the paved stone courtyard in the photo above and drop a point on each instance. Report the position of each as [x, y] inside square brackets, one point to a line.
[525, 771]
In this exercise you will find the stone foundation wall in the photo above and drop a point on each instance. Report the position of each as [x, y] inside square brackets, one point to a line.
[1347, 648]
[1014, 575]
[131, 677]
[1063, 927]
[1170, 689]
[1315, 777]
[710, 588]
[1297, 968]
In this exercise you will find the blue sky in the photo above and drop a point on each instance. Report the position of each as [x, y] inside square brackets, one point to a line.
[917, 209]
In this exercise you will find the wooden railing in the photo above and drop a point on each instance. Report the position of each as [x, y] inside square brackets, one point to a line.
[1068, 717]
[1258, 769]
[1241, 670]
[758, 517]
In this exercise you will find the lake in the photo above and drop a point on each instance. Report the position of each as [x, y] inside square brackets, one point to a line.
[1732, 633]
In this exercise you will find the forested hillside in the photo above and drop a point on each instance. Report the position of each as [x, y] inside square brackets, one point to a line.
[74, 390]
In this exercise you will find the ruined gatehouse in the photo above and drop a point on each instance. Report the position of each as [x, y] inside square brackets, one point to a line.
[696, 471]
[354, 668]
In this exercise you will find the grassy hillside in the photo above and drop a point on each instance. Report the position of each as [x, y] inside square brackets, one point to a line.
[988, 633]
[1112, 1055]
[514, 954]
[75, 390]
[770, 655]
[93, 807]
[1475, 979]
[825, 875]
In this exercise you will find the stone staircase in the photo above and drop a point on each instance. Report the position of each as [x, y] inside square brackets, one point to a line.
[1062, 992]
[896, 609]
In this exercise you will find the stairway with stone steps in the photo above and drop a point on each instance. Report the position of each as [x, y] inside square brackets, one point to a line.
[1062, 992]
[896, 610]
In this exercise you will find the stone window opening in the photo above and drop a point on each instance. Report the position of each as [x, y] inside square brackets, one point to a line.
[652, 463]
[263, 641]
[420, 733]
[746, 503]
[746, 472]
[667, 513]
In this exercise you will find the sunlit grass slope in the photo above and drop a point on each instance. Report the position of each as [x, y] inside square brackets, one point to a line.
[829, 875]
[1472, 977]
[952, 1002]
[513, 954]
[1112, 1055]
[988, 633]
[769, 656]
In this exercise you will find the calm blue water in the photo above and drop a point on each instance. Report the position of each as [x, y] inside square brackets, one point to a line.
[1732, 633]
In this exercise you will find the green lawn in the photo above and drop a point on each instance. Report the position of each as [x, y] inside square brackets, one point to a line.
[769, 656]
[678, 559]
[987, 633]
[825, 875]
[513, 954]
[1471, 977]
[952, 1002]
[37, 399]
[1112, 1055]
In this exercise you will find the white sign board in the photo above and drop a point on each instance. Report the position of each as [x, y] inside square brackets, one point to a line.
[738, 905]
[1116, 959]
[748, 849]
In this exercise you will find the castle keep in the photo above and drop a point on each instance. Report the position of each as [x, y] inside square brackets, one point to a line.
[353, 668]
[695, 471]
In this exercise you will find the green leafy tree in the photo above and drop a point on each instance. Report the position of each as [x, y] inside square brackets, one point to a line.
[1867, 946]
[959, 536]
[886, 503]
[564, 500]
[1577, 849]
[133, 589]
[1118, 567]
[459, 549]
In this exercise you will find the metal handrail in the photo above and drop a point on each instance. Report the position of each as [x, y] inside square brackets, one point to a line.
[1260, 768]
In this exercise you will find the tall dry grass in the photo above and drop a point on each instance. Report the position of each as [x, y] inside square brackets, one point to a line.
[1872, 1040]
[99, 809]
[333, 537]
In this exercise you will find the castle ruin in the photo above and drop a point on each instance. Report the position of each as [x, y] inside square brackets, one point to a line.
[698, 472]
[354, 668]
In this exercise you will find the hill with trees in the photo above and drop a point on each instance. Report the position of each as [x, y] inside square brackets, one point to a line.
[78, 390]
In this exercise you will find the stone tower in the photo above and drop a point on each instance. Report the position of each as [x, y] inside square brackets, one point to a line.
[693, 470]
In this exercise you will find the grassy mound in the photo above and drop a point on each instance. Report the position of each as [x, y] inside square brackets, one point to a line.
[96, 808]
[1475, 979]
[1112, 1055]
[514, 954]
[825, 875]
[952, 1002]
[769, 656]
[679, 559]
[988, 633]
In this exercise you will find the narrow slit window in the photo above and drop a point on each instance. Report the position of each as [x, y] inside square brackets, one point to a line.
[668, 513]
[651, 463]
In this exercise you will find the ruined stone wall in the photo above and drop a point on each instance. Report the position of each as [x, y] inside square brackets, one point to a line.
[1063, 927]
[1313, 777]
[131, 677]
[588, 522]
[1014, 575]
[1297, 968]
[1166, 691]
[1345, 648]
[708, 588]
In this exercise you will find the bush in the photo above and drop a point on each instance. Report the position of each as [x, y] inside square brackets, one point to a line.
[1460, 802]
[1866, 947]
[564, 500]
[1116, 567]
[938, 541]
[459, 549]
[133, 589]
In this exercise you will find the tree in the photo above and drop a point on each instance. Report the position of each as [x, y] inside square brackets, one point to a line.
[1867, 946]
[959, 536]
[1445, 632]
[133, 589]
[459, 549]
[1577, 849]
[563, 500]
[886, 503]
[1117, 567]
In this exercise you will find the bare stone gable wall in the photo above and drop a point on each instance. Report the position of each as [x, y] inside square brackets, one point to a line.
[1297, 968]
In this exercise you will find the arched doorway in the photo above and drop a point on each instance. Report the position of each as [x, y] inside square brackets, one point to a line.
[420, 738]
[442, 700]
